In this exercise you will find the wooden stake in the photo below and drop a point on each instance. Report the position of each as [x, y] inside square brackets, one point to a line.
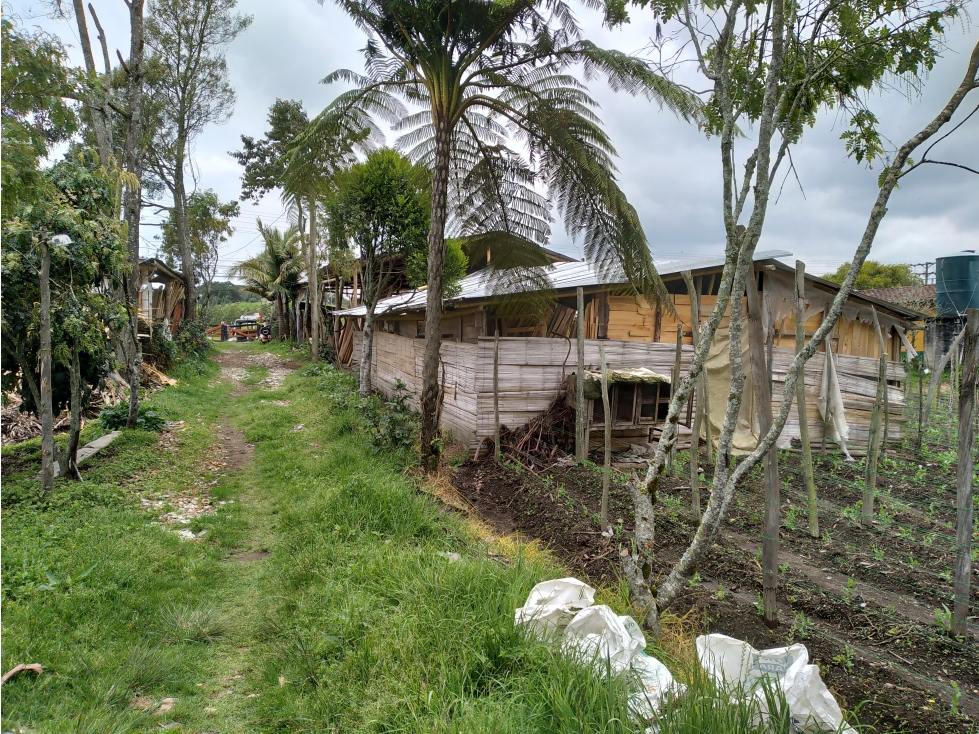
[676, 380]
[608, 439]
[964, 472]
[763, 411]
[581, 421]
[698, 415]
[496, 392]
[921, 397]
[873, 449]
[800, 396]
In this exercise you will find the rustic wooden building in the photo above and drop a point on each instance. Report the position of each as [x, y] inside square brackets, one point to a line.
[536, 356]
[161, 296]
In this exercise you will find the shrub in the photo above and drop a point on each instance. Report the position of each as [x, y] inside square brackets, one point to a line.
[163, 349]
[392, 424]
[114, 417]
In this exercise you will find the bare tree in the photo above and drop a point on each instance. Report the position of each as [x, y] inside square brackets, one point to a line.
[771, 66]
[189, 78]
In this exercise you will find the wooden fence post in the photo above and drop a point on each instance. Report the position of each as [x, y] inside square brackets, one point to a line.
[873, 444]
[496, 393]
[763, 411]
[675, 380]
[800, 397]
[963, 473]
[608, 439]
[695, 395]
[581, 420]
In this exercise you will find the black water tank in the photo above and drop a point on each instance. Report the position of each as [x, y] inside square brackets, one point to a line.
[957, 283]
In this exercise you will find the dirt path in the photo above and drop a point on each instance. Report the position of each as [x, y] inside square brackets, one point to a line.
[230, 690]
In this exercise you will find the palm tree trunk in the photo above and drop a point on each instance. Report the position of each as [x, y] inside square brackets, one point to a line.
[430, 401]
[367, 354]
[280, 316]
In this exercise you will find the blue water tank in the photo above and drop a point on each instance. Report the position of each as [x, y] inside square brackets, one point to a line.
[957, 283]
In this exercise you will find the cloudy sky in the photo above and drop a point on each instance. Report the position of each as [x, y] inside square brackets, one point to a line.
[667, 168]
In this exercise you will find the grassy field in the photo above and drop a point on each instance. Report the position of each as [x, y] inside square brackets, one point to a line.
[318, 596]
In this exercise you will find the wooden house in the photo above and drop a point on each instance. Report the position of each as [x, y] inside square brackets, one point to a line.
[536, 356]
[161, 296]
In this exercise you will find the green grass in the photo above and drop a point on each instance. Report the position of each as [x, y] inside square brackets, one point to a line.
[355, 623]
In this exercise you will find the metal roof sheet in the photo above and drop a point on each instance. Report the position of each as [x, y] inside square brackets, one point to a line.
[563, 276]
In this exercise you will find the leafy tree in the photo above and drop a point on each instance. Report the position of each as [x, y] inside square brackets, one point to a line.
[382, 210]
[264, 160]
[500, 116]
[274, 273]
[454, 270]
[876, 275]
[188, 76]
[57, 251]
[208, 226]
[36, 109]
[227, 292]
[767, 70]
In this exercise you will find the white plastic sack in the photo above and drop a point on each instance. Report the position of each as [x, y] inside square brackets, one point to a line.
[597, 635]
[552, 605]
[736, 664]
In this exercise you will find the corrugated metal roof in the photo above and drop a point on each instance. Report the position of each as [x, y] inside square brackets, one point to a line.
[563, 276]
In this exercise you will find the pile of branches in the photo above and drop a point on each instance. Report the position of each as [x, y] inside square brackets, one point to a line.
[540, 443]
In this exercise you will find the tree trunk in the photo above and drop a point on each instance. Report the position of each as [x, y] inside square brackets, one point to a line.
[430, 401]
[607, 464]
[133, 201]
[98, 110]
[69, 462]
[47, 417]
[367, 354]
[697, 397]
[280, 316]
[964, 474]
[183, 233]
[314, 294]
[800, 396]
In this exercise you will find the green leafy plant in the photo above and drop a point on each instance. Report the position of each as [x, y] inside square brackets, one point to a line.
[956, 696]
[67, 581]
[943, 618]
[845, 658]
[849, 590]
[801, 628]
[392, 424]
[790, 517]
[878, 553]
[114, 417]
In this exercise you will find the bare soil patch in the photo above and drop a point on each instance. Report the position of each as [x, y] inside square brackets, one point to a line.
[868, 623]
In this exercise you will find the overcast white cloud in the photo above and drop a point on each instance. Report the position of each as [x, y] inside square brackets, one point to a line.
[668, 169]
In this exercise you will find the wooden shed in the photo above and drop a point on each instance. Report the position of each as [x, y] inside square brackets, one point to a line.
[536, 356]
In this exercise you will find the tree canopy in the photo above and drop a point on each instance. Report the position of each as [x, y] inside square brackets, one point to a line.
[874, 275]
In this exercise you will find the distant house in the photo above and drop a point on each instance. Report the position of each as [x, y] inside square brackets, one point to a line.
[161, 297]
[537, 355]
[920, 298]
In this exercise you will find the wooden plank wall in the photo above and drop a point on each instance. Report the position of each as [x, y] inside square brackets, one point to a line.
[400, 358]
[533, 369]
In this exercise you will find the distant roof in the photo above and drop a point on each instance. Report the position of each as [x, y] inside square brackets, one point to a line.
[905, 294]
[155, 263]
[563, 276]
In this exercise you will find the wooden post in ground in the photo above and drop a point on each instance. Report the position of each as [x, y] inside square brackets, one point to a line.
[608, 439]
[580, 420]
[763, 411]
[876, 420]
[964, 472]
[936, 376]
[695, 395]
[800, 397]
[675, 380]
[921, 397]
[496, 393]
